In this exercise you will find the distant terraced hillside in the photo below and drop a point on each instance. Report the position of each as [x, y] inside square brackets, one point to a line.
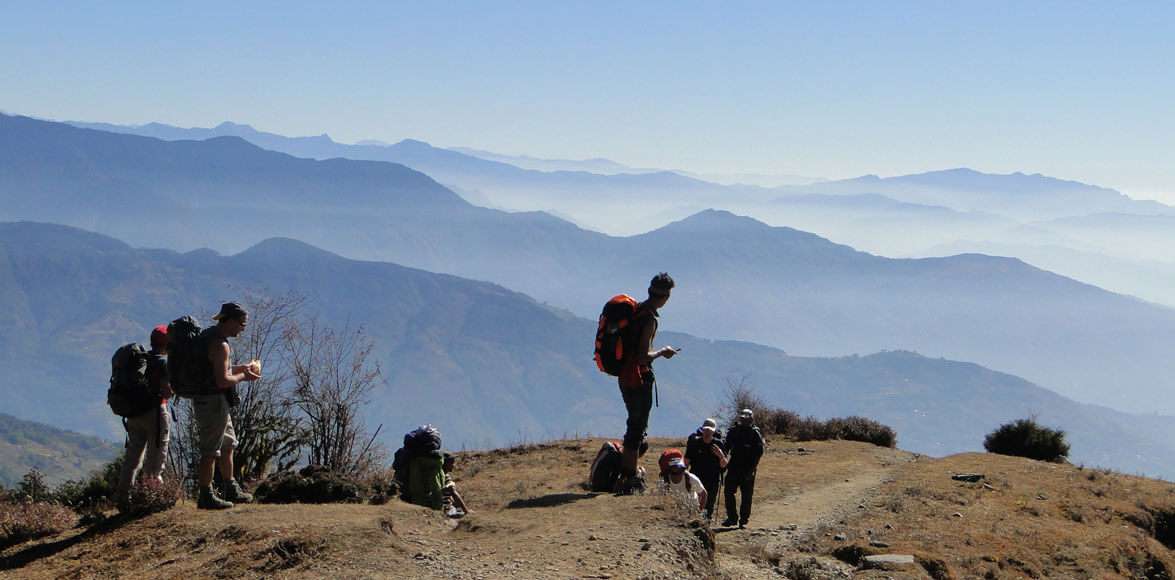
[57, 453]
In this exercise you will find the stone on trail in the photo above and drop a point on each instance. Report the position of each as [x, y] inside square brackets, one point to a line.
[889, 562]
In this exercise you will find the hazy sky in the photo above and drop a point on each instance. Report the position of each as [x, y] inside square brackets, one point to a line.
[1071, 89]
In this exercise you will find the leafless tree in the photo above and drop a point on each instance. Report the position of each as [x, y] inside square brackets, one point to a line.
[269, 429]
[740, 395]
[332, 376]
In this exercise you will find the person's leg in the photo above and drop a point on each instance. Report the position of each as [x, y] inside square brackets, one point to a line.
[230, 489]
[732, 481]
[748, 492]
[712, 491]
[133, 458]
[160, 435]
[212, 420]
[638, 401]
[228, 445]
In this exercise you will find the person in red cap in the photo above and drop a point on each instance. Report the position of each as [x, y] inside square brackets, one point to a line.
[148, 433]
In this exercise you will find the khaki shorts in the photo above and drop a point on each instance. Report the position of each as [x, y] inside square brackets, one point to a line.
[214, 425]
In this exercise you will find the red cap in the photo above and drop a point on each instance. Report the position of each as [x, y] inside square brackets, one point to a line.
[159, 336]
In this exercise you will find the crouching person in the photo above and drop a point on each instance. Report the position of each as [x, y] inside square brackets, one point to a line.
[454, 504]
[685, 484]
[608, 466]
[419, 468]
[217, 438]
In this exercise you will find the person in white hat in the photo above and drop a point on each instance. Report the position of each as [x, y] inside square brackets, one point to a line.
[679, 481]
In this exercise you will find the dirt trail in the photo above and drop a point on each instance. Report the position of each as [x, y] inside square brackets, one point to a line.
[800, 490]
[531, 519]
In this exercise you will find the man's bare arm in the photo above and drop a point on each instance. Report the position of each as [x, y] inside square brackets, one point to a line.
[645, 345]
[226, 375]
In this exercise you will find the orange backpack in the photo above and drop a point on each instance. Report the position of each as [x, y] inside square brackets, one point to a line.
[614, 336]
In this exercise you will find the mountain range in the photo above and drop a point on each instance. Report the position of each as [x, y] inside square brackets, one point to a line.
[1040, 219]
[488, 365]
[739, 278]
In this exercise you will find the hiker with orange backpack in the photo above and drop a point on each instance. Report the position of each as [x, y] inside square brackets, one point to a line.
[624, 348]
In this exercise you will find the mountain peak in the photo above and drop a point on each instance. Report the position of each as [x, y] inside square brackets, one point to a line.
[279, 248]
[414, 144]
[231, 126]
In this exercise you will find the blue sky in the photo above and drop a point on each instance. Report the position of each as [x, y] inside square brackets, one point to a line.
[1077, 90]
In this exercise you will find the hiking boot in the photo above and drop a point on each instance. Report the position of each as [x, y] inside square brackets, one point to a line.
[632, 485]
[742, 525]
[729, 523]
[231, 490]
[210, 501]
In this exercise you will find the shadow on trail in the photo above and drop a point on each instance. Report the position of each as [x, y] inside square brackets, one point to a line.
[552, 500]
[33, 553]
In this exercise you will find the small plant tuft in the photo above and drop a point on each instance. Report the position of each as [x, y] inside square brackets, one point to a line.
[1027, 438]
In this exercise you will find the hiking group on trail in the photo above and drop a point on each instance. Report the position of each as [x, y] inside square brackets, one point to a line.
[624, 349]
[187, 361]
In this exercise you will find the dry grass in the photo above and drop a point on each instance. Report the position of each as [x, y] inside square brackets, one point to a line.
[24, 521]
[1026, 518]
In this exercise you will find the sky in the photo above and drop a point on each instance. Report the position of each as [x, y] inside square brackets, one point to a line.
[1077, 90]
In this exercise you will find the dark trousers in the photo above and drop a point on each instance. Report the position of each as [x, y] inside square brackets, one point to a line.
[745, 483]
[638, 401]
[710, 482]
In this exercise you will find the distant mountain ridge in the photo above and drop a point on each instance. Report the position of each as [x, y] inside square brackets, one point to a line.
[1022, 196]
[486, 364]
[738, 277]
[56, 453]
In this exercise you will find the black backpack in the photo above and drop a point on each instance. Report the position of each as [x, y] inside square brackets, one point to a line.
[187, 361]
[614, 336]
[130, 392]
[417, 442]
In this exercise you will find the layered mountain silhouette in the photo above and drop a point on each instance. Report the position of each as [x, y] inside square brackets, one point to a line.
[488, 365]
[602, 200]
[1018, 195]
[739, 278]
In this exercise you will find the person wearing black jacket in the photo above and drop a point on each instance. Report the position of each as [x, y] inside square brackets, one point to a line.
[744, 444]
[707, 460]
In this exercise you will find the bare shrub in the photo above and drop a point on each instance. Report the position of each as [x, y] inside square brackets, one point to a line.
[153, 496]
[22, 521]
[333, 376]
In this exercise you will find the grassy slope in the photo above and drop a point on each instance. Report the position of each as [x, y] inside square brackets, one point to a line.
[57, 453]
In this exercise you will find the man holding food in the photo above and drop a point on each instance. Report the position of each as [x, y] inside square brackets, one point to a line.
[217, 439]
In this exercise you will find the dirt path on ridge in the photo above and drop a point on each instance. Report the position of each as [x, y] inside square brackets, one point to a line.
[801, 490]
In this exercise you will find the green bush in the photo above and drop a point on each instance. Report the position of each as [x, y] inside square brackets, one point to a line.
[1027, 438]
[310, 485]
[861, 429]
[775, 421]
[93, 493]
